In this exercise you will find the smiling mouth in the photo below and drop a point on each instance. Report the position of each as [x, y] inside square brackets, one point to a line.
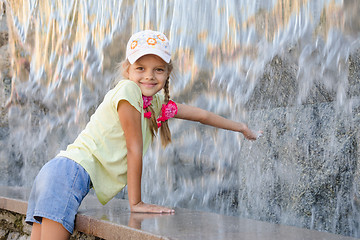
[149, 84]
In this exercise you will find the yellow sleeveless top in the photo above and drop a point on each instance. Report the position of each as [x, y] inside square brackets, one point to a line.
[101, 147]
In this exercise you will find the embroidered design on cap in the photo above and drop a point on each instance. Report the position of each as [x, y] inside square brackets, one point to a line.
[161, 37]
[151, 41]
[133, 44]
[148, 42]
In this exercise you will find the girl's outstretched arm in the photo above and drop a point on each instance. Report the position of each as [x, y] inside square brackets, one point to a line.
[130, 120]
[205, 117]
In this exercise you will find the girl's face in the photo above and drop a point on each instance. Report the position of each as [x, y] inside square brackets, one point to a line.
[150, 73]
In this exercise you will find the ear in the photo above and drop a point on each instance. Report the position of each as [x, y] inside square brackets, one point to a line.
[125, 67]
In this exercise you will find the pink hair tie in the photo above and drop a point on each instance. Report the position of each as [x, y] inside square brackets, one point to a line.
[168, 111]
[147, 103]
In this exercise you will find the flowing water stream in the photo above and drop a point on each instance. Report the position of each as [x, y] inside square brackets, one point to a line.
[288, 67]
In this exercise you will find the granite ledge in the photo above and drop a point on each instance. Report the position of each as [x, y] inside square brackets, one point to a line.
[115, 221]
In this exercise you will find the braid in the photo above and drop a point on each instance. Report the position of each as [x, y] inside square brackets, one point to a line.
[166, 91]
[152, 122]
[165, 133]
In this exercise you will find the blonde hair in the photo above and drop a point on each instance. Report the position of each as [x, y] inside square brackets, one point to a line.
[165, 134]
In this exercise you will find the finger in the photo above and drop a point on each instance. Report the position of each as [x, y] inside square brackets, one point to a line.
[159, 209]
[166, 210]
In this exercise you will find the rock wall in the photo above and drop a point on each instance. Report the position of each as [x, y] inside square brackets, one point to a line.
[5, 86]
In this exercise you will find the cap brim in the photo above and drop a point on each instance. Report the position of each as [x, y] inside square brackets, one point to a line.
[138, 54]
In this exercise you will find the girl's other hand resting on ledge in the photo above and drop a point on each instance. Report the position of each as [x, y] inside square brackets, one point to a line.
[150, 208]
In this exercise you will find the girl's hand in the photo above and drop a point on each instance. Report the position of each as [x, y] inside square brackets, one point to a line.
[150, 208]
[250, 135]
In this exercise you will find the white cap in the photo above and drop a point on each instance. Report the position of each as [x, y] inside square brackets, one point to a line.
[148, 42]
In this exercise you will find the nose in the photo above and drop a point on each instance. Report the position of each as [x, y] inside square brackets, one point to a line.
[149, 75]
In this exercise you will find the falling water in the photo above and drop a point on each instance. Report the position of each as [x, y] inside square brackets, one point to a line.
[289, 68]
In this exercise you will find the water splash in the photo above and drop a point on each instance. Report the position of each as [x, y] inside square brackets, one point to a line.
[287, 67]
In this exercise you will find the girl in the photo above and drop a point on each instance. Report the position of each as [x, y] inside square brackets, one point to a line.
[108, 153]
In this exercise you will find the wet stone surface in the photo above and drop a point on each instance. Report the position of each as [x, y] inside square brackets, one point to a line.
[114, 221]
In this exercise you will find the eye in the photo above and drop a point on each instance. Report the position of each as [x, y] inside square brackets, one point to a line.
[160, 70]
[140, 68]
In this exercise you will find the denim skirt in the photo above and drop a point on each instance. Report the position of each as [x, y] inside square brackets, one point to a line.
[57, 192]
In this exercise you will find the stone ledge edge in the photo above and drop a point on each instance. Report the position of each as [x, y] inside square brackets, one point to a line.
[87, 224]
